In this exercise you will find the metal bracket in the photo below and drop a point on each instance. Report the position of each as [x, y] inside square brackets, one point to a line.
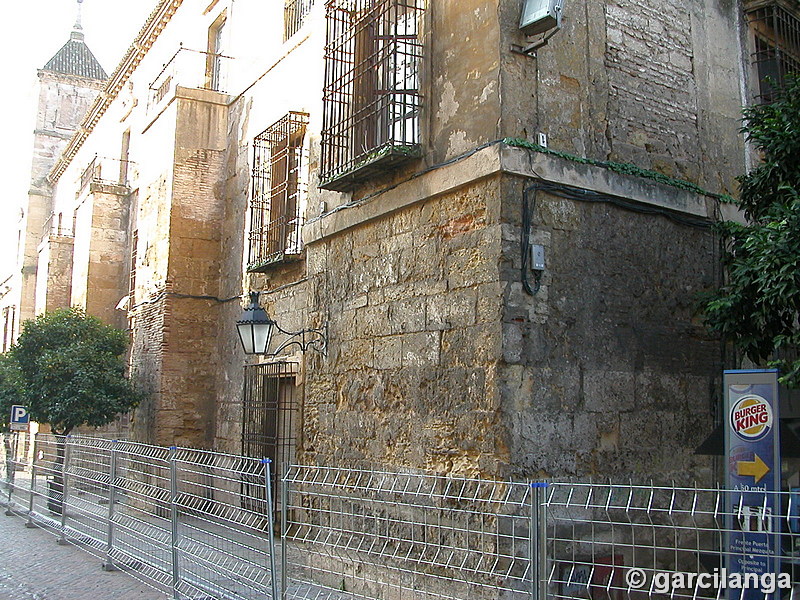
[532, 46]
[305, 338]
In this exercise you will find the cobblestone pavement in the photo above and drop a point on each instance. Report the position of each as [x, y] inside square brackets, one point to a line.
[34, 567]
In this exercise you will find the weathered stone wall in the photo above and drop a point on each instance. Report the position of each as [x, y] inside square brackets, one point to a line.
[148, 347]
[233, 238]
[648, 61]
[182, 366]
[637, 82]
[99, 265]
[108, 263]
[462, 77]
[606, 370]
[412, 300]
[63, 101]
[54, 273]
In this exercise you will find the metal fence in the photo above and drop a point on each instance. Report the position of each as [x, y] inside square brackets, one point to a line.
[369, 534]
[199, 524]
[617, 541]
[191, 523]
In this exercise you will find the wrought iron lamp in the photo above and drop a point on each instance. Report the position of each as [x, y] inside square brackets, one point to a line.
[255, 329]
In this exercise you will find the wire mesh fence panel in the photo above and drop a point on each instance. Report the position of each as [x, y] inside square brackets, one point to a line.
[138, 534]
[86, 480]
[17, 449]
[224, 541]
[190, 523]
[387, 535]
[630, 541]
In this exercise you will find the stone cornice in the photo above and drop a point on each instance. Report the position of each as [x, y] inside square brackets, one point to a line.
[152, 28]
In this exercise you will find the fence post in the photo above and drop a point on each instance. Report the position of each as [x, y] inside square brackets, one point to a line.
[63, 539]
[173, 517]
[11, 466]
[270, 524]
[29, 523]
[108, 565]
[538, 541]
[284, 530]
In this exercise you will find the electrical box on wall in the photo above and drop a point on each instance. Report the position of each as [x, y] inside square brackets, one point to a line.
[539, 16]
[537, 257]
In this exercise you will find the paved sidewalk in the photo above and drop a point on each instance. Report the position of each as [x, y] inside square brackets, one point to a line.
[34, 567]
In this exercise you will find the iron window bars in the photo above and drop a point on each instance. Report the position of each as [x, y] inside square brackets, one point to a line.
[371, 97]
[776, 50]
[294, 15]
[270, 420]
[276, 211]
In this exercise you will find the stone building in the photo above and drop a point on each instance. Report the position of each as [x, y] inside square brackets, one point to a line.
[501, 234]
[68, 84]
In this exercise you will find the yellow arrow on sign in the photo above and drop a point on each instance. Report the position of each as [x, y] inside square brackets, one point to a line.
[757, 468]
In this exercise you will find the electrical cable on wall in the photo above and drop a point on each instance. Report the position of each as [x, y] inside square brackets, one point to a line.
[164, 293]
[528, 207]
[583, 195]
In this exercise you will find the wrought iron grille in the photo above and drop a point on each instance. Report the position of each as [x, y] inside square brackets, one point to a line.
[270, 419]
[294, 15]
[372, 94]
[279, 187]
[776, 47]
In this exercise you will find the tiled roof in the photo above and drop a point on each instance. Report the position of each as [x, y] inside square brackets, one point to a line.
[75, 58]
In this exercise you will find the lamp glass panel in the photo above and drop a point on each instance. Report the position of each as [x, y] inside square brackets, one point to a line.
[262, 333]
[246, 337]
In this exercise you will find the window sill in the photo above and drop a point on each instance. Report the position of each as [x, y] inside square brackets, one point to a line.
[273, 261]
[371, 165]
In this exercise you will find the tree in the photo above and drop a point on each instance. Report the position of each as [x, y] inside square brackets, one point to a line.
[71, 370]
[10, 389]
[9, 396]
[757, 308]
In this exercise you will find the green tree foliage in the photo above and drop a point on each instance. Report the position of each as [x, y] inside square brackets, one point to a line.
[10, 393]
[758, 306]
[70, 371]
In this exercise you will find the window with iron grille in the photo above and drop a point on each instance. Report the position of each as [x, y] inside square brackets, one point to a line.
[278, 194]
[294, 15]
[776, 46]
[269, 421]
[371, 98]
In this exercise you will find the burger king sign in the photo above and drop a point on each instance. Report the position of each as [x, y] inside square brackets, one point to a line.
[751, 418]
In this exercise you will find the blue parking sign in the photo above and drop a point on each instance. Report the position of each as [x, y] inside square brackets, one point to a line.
[19, 418]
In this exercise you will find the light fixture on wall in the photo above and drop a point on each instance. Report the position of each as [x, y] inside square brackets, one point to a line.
[255, 329]
[539, 18]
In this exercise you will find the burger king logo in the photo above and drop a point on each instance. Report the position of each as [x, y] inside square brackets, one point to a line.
[751, 418]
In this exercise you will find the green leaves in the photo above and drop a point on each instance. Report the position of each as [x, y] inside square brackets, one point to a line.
[71, 371]
[9, 388]
[758, 306]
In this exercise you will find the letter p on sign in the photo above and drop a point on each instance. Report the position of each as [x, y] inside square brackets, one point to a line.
[19, 418]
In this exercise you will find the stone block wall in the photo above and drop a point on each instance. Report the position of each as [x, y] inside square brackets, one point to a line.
[607, 369]
[653, 108]
[180, 228]
[108, 266]
[54, 275]
[413, 301]
[148, 346]
[63, 101]
[635, 82]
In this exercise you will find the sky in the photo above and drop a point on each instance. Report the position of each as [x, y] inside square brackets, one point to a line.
[34, 31]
